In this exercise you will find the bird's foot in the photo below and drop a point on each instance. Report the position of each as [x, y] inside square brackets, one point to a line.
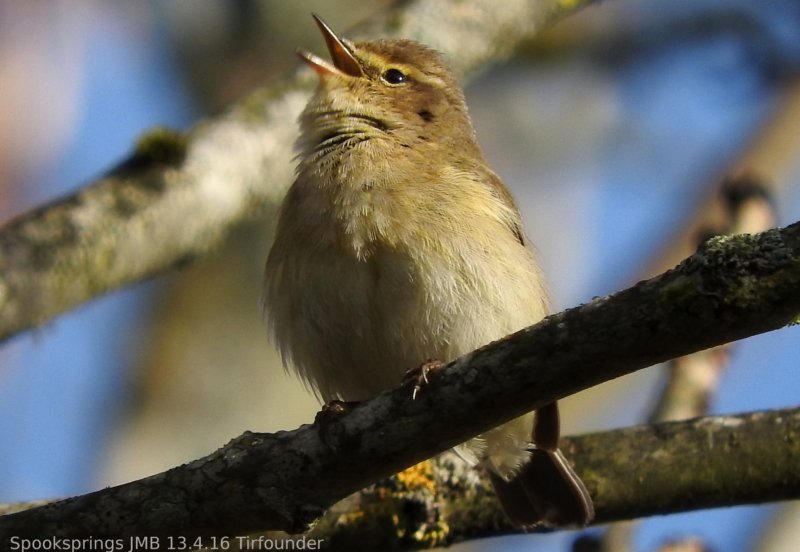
[332, 410]
[419, 376]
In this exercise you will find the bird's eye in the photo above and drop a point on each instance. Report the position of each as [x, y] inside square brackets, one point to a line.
[394, 76]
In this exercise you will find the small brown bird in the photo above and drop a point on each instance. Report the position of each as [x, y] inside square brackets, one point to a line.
[396, 244]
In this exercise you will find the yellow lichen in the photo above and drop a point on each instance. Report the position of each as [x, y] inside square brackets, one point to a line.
[418, 477]
[433, 534]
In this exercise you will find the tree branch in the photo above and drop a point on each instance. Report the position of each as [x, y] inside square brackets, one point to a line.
[731, 288]
[632, 473]
[178, 195]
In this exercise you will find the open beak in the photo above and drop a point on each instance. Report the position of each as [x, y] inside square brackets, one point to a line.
[344, 63]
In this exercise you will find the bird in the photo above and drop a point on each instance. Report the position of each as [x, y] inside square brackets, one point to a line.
[396, 244]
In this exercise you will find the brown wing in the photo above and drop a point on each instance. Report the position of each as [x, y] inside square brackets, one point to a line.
[500, 190]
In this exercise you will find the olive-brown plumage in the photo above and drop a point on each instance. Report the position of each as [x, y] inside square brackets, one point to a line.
[397, 244]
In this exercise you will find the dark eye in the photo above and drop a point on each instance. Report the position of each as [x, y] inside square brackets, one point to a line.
[394, 76]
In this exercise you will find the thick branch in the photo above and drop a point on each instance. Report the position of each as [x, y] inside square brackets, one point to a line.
[178, 195]
[691, 465]
[732, 288]
[633, 472]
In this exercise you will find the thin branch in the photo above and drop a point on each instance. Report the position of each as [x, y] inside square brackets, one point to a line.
[731, 288]
[767, 163]
[179, 194]
[740, 204]
[693, 379]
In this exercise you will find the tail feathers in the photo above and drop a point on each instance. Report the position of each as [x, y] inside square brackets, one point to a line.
[546, 493]
[519, 509]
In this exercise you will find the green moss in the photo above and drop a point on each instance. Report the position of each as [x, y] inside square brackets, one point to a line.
[744, 270]
[160, 146]
[677, 291]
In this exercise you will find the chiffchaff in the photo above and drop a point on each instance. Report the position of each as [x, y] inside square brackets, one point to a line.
[397, 244]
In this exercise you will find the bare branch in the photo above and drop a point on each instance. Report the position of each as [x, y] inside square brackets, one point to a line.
[632, 473]
[762, 171]
[731, 288]
[741, 203]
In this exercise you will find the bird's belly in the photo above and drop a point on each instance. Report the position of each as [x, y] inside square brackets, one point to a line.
[376, 318]
[372, 324]
[381, 317]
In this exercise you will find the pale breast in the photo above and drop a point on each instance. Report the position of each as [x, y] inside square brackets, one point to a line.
[366, 281]
[352, 325]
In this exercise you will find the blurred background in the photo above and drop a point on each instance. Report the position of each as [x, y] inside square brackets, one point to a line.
[613, 129]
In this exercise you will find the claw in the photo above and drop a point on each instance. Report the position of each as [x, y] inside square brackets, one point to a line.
[419, 375]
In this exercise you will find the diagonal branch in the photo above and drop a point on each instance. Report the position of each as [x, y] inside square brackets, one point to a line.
[633, 472]
[179, 194]
[731, 288]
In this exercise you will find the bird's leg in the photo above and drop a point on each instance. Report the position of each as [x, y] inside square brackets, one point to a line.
[419, 376]
[326, 418]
